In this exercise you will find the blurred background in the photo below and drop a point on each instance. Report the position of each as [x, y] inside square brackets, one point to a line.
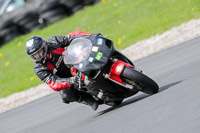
[124, 21]
[23, 16]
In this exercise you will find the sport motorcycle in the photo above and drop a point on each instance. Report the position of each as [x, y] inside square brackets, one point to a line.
[104, 72]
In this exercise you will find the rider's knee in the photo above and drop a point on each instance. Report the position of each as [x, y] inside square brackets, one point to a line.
[69, 95]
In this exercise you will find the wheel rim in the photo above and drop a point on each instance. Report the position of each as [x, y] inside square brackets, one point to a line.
[138, 86]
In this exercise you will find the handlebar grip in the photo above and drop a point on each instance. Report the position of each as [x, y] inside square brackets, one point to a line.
[80, 78]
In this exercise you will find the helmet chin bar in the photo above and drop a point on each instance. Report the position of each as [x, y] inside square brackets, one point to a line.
[40, 55]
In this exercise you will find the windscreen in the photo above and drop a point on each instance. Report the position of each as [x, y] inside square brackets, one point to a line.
[1, 3]
[78, 51]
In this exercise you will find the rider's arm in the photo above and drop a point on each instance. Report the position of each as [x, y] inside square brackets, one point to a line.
[60, 40]
[63, 40]
[54, 82]
[77, 33]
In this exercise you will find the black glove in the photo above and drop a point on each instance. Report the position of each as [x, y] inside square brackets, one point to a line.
[76, 81]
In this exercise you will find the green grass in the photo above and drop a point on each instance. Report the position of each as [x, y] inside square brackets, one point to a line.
[125, 21]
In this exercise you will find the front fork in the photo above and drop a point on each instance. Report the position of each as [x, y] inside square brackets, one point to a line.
[114, 76]
[115, 71]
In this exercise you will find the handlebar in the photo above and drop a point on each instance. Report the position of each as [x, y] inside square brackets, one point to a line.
[79, 82]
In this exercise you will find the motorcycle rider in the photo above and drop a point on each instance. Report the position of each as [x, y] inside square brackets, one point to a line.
[50, 68]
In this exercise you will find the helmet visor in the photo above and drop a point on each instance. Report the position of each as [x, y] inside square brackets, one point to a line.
[40, 54]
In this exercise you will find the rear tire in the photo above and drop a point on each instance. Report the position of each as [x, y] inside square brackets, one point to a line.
[146, 84]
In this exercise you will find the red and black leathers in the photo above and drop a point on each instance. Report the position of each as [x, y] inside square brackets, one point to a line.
[54, 72]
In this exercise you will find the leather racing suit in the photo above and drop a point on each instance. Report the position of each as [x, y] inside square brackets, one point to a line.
[55, 73]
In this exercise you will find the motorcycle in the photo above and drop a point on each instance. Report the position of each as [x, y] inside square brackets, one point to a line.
[108, 75]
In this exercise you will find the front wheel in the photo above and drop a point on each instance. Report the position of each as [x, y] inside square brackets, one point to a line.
[140, 81]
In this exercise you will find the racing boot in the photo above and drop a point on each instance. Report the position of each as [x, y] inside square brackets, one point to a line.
[87, 99]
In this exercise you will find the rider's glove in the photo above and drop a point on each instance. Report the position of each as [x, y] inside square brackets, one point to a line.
[73, 80]
[76, 81]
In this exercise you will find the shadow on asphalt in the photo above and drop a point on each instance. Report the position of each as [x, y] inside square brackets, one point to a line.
[125, 103]
[168, 86]
[136, 98]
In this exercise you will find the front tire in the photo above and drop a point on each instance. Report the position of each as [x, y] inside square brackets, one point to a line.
[142, 82]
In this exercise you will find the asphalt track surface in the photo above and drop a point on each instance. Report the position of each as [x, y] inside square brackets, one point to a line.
[175, 109]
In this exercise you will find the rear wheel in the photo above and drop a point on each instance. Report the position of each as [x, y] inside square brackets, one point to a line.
[140, 81]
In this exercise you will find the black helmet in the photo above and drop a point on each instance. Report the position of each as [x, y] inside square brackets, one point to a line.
[36, 48]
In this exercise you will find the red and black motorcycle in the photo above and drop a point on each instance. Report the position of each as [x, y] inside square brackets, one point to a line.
[108, 75]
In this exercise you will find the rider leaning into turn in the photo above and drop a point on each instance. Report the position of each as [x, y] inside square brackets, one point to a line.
[50, 68]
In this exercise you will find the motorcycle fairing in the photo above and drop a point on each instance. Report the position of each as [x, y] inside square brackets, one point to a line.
[100, 52]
